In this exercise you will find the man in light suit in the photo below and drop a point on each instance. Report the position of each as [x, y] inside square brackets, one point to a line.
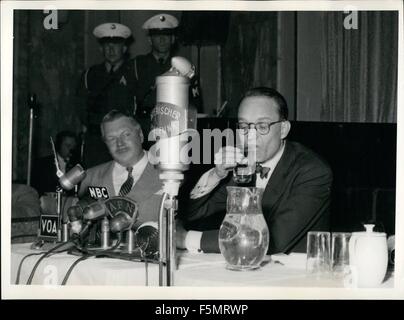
[129, 174]
[297, 182]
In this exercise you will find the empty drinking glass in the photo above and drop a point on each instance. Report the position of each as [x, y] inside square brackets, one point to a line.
[318, 253]
[340, 254]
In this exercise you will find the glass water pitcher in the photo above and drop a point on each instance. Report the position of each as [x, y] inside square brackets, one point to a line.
[244, 235]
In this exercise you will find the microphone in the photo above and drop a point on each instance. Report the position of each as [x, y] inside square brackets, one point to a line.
[147, 238]
[75, 214]
[73, 177]
[121, 222]
[94, 211]
[183, 67]
[171, 118]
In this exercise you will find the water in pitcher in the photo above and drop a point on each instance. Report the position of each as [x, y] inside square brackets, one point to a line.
[244, 235]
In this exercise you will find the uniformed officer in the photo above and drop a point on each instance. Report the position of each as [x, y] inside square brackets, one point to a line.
[161, 31]
[162, 37]
[106, 86]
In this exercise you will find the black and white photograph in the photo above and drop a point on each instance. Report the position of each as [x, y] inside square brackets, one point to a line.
[202, 150]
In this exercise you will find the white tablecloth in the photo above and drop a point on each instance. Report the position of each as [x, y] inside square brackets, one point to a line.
[193, 270]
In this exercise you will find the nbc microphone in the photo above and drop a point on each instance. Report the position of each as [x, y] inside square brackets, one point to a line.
[95, 211]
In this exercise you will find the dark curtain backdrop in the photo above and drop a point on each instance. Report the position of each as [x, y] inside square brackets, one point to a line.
[359, 68]
[249, 55]
[47, 63]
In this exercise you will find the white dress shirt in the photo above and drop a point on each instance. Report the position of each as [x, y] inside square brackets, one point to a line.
[210, 180]
[120, 174]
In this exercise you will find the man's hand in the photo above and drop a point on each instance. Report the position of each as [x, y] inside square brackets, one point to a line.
[180, 234]
[226, 159]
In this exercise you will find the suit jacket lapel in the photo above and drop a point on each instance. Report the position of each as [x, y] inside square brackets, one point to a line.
[147, 185]
[272, 191]
[107, 178]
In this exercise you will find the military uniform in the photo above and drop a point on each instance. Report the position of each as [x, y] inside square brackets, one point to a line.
[149, 66]
[108, 89]
[104, 87]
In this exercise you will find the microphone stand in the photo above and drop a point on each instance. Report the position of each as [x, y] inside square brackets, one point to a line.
[32, 105]
[172, 93]
[168, 210]
[63, 232]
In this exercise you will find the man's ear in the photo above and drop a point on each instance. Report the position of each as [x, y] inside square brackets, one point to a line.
[141, 136]
[285, 128]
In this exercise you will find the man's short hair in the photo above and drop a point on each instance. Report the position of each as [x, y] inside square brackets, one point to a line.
[61, 136]
[270, 93]
[116, 114]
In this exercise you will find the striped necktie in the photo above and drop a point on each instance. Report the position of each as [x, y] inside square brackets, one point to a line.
[127, 185]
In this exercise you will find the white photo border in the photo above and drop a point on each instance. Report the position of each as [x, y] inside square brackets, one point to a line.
[151, 293]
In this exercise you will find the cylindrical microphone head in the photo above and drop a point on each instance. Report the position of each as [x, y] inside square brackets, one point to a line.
[170, 118]
[73, 177]
[183, 66]
[94, 211]
[120, 222]
[147, 238]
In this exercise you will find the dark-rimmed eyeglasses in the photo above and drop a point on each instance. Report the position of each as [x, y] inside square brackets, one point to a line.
[262, 127]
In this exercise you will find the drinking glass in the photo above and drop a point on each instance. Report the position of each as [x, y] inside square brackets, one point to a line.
[243, 174]
[318, 253]
[340, 254]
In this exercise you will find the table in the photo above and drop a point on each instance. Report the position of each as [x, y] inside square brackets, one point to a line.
[197, 269]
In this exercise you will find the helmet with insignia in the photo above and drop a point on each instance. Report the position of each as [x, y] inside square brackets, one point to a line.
[161, 24]
[112, 32]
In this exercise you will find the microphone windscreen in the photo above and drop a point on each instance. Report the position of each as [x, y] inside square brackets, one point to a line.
[147, 238]
[183, 66]
[72, 177]
[94, 211]
[120, 222]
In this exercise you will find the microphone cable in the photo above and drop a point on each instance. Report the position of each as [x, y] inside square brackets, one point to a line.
[88, 255]
[17, 281]
[27, 256]
[72, 267]
[44, 255]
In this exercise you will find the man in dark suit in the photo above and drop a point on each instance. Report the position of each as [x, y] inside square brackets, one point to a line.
[44, 178]
[297, 182]
[130, 173]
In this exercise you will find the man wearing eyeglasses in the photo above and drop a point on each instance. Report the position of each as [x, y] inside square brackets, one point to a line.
[296, 181]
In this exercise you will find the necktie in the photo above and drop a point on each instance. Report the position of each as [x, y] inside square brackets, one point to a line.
[127, 185]
[161, 61]
[263, 171]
